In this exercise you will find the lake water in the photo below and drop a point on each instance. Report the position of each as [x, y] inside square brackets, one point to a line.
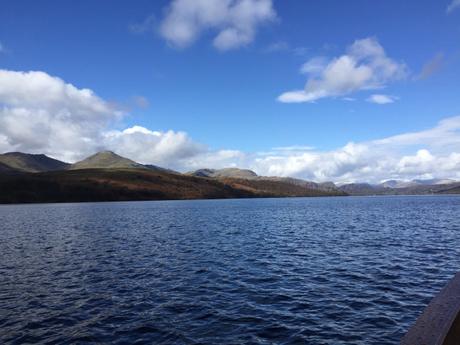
[350, 270]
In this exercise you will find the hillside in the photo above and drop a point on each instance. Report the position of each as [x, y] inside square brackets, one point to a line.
[451, 190]
[226, 172]
[25, 162]
[105, 160]
[277, 188]
[411, 189]
[110, 185]
[325, 186]
[133, 184]
[288, 185]
[365, 189]
[106, 176]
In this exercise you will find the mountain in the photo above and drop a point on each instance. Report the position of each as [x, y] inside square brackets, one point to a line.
[324, 186]
[6, 168]
[227, 172]
[284, 185]
[407, 184]
[410, 189]
[106, 160]
[110, 185]
[134, 184]
[157, 168]
[451, 189]
[106, 176]
[279, 187]
[364, 189]
[25, 162]
[111, 160]
[397, 184]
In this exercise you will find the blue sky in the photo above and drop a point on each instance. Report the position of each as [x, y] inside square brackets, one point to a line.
[225, 96]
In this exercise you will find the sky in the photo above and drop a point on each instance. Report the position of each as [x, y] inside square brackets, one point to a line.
[325, 90]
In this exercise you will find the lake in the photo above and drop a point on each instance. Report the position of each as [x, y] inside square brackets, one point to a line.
[344, 270]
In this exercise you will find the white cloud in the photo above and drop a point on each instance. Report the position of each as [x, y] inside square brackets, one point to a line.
[235, 21]
[453, 5]
[314, 66]
[381, 99]
[365, 66]
[43, 114]
[40, 113]
[216, 159]
[433, 152]
[146, 146]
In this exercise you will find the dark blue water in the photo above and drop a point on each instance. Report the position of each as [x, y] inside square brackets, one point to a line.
[268, 271]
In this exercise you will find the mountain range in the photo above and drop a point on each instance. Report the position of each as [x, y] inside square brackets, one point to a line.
[106, 176]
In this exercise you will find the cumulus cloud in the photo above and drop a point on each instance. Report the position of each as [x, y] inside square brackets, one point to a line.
[430, 153]
[381, 99]
[365, 66]
[40, 113]
[453, 5]
[163, 148]
[234, 21]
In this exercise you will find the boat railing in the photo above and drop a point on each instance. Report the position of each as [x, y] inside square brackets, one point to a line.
[439, 324]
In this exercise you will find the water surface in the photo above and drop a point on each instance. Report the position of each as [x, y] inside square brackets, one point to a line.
[350, 270]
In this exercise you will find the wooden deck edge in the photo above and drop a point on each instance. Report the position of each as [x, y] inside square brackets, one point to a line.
[439, 323]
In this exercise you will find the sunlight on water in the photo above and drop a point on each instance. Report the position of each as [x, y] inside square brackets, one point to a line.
[317, 271]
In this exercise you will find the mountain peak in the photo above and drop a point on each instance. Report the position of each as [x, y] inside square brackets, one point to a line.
[105, 160]
[28, 162]
[106, 152]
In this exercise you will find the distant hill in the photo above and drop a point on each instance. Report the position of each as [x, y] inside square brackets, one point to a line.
[110, 185]
[134, 184]
[6, 168]
[25, 162]
[106, 160]
[324, 186]
[276, 187]
[409, 189]
[455, 189]
[397, 184]
[227, 172]
[107, 176]
[286, 185]
[364, 189]
[413, 183]
[157, 168]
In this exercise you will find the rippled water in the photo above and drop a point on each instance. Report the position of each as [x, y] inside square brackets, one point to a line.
[354, 270]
